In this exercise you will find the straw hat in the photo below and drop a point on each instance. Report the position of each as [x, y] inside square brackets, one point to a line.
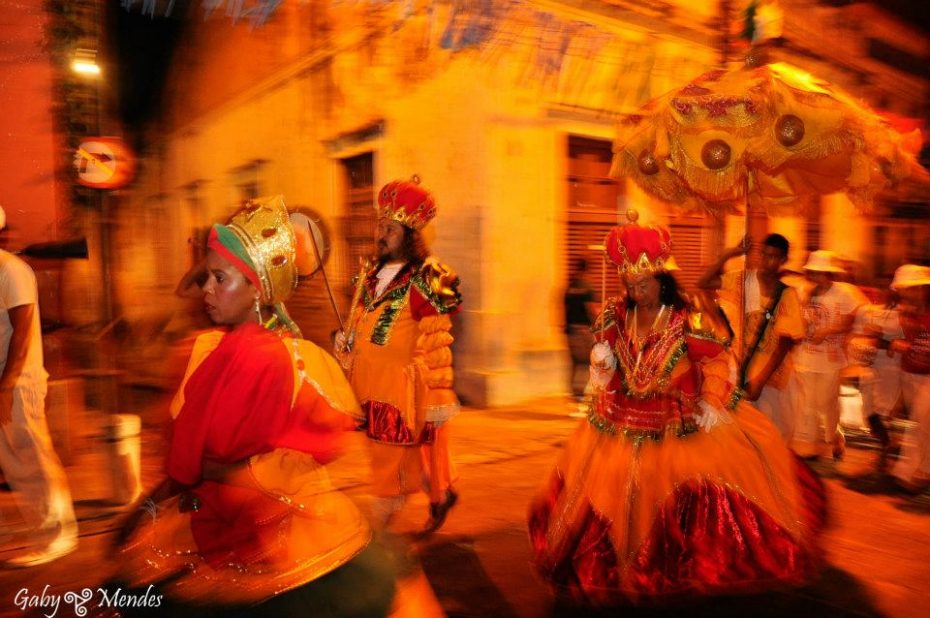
[910, 275]
[823, 261]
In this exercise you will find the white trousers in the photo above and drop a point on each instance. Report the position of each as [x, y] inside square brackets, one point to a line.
[779, 405]
[881, 385]
[32, 467]
[914, 463]
[818, 410]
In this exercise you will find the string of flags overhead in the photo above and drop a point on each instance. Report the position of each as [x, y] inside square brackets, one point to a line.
[577, 62]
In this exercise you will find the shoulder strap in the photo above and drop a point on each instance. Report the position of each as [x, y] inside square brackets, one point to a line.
[760, 333]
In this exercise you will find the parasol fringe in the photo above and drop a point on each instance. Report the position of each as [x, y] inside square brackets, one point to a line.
[771, 155]
[664, 184]
[845, 146]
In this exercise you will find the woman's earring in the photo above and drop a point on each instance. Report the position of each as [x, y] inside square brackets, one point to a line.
[258, 311]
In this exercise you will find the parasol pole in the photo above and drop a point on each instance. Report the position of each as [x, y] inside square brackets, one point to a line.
[742, 296]
[603, 279]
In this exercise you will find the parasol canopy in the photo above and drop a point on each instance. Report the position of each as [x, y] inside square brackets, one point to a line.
[767, 135]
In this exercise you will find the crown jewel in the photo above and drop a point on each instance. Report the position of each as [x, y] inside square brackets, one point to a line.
[264, 230]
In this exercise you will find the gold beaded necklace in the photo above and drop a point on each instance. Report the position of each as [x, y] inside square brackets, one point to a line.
[635, 332]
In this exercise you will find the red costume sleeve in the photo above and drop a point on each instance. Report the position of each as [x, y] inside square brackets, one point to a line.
[712, 358]
[237, 403]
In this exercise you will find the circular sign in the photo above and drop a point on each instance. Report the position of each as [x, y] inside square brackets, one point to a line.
[104, 163]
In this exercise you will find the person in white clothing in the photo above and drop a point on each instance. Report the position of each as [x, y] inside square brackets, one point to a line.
[912, 282]
[829, 310]
[765, 335]
[879, 370]
[27, 457]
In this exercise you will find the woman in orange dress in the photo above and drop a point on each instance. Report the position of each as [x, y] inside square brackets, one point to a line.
[671, 487]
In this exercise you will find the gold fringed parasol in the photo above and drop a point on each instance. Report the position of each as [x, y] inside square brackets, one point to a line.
[765, 135]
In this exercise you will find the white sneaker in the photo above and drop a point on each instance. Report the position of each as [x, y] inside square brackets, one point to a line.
[60, 547]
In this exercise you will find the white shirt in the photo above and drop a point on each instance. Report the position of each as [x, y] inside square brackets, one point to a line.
[386, 275]
[17, 288]
[827, 310]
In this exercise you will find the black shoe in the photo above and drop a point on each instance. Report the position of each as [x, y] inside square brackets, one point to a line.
[911, 488]
[879, 429]
[439, 511]
[886, 457]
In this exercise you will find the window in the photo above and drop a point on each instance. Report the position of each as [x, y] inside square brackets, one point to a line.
[592, 210]
[247, 181]
[813, 211]
[358, 223]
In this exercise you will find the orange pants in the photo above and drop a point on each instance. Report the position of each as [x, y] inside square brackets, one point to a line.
[400, 470]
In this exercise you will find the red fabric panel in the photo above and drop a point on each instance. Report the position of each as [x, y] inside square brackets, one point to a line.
[386, 424]
[706, 539]
[419, 306]
[813, 497]
[699, 348]
[237, 403]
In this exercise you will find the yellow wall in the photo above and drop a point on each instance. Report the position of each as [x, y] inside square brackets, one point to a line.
[478, 127]
[486, 130]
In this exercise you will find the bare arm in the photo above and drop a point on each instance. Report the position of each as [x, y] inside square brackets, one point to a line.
[161, 492]
[711, 279]
[21, 321]
[190, 284]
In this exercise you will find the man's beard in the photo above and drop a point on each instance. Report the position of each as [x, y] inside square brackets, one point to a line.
[384, 256]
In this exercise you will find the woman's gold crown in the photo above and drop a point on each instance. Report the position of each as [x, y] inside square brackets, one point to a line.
[263, 228]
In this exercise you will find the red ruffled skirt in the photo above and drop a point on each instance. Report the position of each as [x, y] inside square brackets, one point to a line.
[726, 511]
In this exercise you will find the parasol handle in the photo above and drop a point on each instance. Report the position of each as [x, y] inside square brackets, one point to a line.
[742, 296]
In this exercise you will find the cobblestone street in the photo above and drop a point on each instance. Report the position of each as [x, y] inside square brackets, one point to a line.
[878, 542]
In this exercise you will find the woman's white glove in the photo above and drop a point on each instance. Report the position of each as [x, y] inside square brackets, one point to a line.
[711, 417]
[340, 341]
[603, 366]
[342, 346]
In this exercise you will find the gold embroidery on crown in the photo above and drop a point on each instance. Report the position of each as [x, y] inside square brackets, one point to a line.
[274, 256]
[416, 219]
[643, 265]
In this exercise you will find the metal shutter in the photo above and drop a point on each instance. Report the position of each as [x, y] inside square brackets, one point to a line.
[310, 306]
[688, 247]
[592, 210]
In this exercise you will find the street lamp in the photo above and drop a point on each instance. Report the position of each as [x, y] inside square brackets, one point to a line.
[85, 63]
[85, 66]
